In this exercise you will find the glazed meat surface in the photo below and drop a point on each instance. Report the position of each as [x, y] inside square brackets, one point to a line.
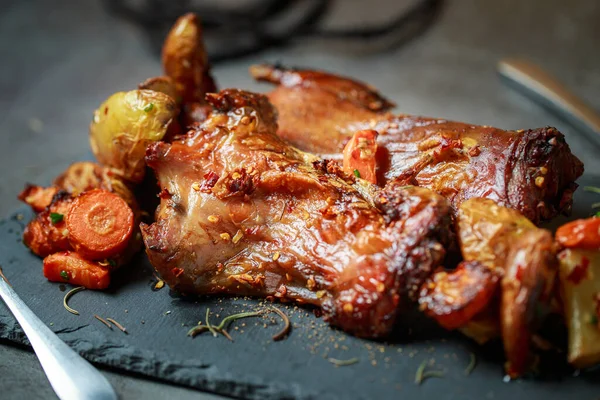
[244, 213]
[532, 171]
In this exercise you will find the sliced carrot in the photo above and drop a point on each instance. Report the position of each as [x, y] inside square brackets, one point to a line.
[38, 197]
[70, 267]
[581, 234]
[100, 224]
[359, 155]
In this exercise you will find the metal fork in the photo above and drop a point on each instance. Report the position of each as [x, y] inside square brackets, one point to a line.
[71, 377]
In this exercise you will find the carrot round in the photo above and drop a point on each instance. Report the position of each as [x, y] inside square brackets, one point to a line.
[70, 267]
[100, 224]
[581, 234]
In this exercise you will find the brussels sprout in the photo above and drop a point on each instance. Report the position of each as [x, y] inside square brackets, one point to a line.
[125, 124]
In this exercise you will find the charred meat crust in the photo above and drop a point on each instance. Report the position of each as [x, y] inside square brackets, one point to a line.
[532, 171]
[244, 213]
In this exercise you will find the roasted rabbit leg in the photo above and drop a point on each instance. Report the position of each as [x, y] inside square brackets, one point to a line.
[532, 171]
[242, 212]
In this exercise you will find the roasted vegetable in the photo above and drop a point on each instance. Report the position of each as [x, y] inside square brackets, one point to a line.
[77, 178]
[507, 242]
[359, 155]
[70, 267]
[453, 298]
[162, 84]
[47, 233]
[185, 60]
[580, 290]
[580, 234]
[125, 124]
[529, 277]
[37, 197]
[100, 224]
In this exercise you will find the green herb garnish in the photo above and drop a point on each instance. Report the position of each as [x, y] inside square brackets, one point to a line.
[472, 364]
[343, 363]
[56, 218]
[357, 173]
[112, 262]
[65, 275]
[68, 296]
[149, 107]
[216, 329]
[598, 214]
[421, 374]
[592, 189]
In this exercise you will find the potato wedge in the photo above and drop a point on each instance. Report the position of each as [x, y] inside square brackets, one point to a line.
[185, 61]
[580, 290]
[125, 124]
[505, 240]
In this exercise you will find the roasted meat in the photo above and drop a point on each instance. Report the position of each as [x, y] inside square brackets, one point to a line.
[242, 212]
[532, 171]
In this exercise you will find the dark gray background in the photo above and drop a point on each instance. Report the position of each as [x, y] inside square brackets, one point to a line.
[61, 59]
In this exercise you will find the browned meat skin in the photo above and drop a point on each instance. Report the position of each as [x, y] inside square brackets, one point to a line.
[532, 171]
[244, 213]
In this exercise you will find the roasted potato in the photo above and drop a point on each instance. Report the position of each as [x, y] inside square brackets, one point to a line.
[487, 230]
[125, 124]
[529, 276]
[185, 61]
[580, 289]
[162, 84]
[504, 240]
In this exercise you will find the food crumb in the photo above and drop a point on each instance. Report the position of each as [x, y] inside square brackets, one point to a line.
[36, 125]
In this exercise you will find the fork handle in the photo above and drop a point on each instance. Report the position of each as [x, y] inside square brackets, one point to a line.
[71, 377]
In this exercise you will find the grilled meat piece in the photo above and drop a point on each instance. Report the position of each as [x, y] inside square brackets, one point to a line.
[244, 213]
[532, 171]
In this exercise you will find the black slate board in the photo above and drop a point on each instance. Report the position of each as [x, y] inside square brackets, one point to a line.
[254, 366]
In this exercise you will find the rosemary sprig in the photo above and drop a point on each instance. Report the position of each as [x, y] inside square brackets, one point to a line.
[230, 318]
[210, 327]
[286, 325]
[109, 326]
[343, 363]
[472, 364]
[592, 189]
[422, 375]
[221, 328]
[118, 325]
[68, 296]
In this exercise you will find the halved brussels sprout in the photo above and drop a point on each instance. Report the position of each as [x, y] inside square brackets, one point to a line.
[125, 124]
